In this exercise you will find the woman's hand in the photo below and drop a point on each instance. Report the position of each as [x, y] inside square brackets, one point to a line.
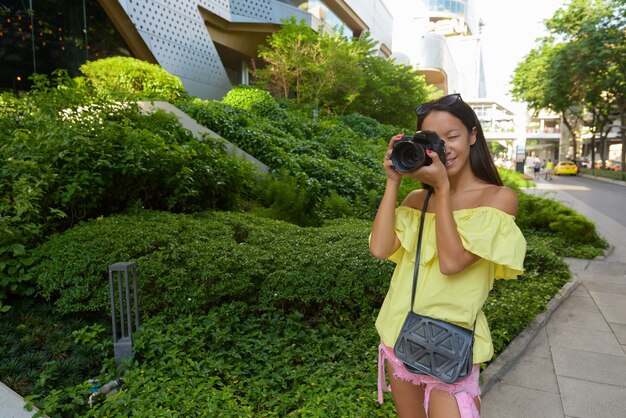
[434, 174]
[390, 171]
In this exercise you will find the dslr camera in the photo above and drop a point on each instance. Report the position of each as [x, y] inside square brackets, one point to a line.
[409, 153]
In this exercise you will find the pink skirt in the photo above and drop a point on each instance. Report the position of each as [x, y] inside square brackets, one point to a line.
[464, 390]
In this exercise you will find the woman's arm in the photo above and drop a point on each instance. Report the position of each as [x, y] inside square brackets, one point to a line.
[453, 257]
[383, 241]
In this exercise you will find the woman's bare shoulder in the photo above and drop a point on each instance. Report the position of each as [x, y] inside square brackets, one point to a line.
[502, 198]
[415, 199]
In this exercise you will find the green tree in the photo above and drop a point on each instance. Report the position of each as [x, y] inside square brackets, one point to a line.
[336, 80]
[286, 59]
[579, 70]
[339, 76]
[391, 93]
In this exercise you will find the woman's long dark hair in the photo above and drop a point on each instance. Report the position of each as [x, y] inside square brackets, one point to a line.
[481, 160]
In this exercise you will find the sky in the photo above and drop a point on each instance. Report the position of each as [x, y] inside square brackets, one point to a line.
[511, 28]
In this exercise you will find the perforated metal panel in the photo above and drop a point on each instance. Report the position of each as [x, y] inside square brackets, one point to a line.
[255, 9]
[175, 33]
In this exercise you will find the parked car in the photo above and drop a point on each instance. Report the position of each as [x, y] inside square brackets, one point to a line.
[566, 168]
[598, 164]
[615, 166]
[583, 162]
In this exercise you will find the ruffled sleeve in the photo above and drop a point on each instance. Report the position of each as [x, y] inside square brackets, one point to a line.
[406, 228]
[494, 236]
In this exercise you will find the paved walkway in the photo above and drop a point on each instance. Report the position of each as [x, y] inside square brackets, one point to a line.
[575, 362]
[12, 404]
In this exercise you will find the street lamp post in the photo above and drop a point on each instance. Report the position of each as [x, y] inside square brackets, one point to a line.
[124, 307]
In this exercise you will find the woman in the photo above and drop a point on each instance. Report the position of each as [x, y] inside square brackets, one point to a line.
[469, 239]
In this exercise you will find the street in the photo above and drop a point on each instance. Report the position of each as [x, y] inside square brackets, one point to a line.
[601, 202]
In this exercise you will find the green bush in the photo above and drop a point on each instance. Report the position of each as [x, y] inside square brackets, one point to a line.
[324, 156]
[537, 213]
[237, 361]
[248, 263]
[610, 174]
[252, 99]
[125, 77]
[287, 199]
[188, 263]
[514, 179]
[69, 161]
[369, 128]
[575, 228]
[102, 157]
[513, 304]
[42, 351]
[273, 318]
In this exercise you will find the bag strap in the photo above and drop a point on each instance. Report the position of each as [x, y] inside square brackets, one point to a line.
[418, 251]
[419, 247]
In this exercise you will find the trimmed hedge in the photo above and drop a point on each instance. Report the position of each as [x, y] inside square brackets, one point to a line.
[65, 161]
[189, 263]
[267, 318]
[547, 215]
[125, 77]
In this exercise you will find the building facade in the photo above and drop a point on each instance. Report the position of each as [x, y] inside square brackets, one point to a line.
[208, 44]
[442, 39]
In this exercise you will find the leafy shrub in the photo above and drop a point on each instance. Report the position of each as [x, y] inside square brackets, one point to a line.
[103, 157]
[66, 163]
[610, 174]
[237, 361]
[252, 99]
[272, 318]
[565, 248]
[575, 228]
[42, 351]
[325, 156]
[514, 179]
[125, 77]
[542, 214]
[256, 359]
[286, 199]
[188, 263]
[368, 127]
[513, 304]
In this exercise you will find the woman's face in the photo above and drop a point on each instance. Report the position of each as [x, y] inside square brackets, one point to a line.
[458, 141]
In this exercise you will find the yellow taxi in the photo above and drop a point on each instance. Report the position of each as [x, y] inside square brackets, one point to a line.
[566, 168]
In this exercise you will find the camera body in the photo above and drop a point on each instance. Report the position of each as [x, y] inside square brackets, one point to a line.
[409, 153]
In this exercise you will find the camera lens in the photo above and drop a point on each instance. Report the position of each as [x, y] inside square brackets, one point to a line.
[407, 156]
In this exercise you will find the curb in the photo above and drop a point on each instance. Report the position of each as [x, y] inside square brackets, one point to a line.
[604, 179]
[13, 405]
[505, 360]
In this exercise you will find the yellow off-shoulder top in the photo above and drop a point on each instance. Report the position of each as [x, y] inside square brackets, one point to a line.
[486, 232]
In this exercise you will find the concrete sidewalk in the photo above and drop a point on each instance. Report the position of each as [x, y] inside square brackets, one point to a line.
[574, 364]
[12, 404]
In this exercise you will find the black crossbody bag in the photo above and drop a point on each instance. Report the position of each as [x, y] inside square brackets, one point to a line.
[431, 346]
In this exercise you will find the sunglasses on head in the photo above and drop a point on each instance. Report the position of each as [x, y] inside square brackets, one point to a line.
[449, 100]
